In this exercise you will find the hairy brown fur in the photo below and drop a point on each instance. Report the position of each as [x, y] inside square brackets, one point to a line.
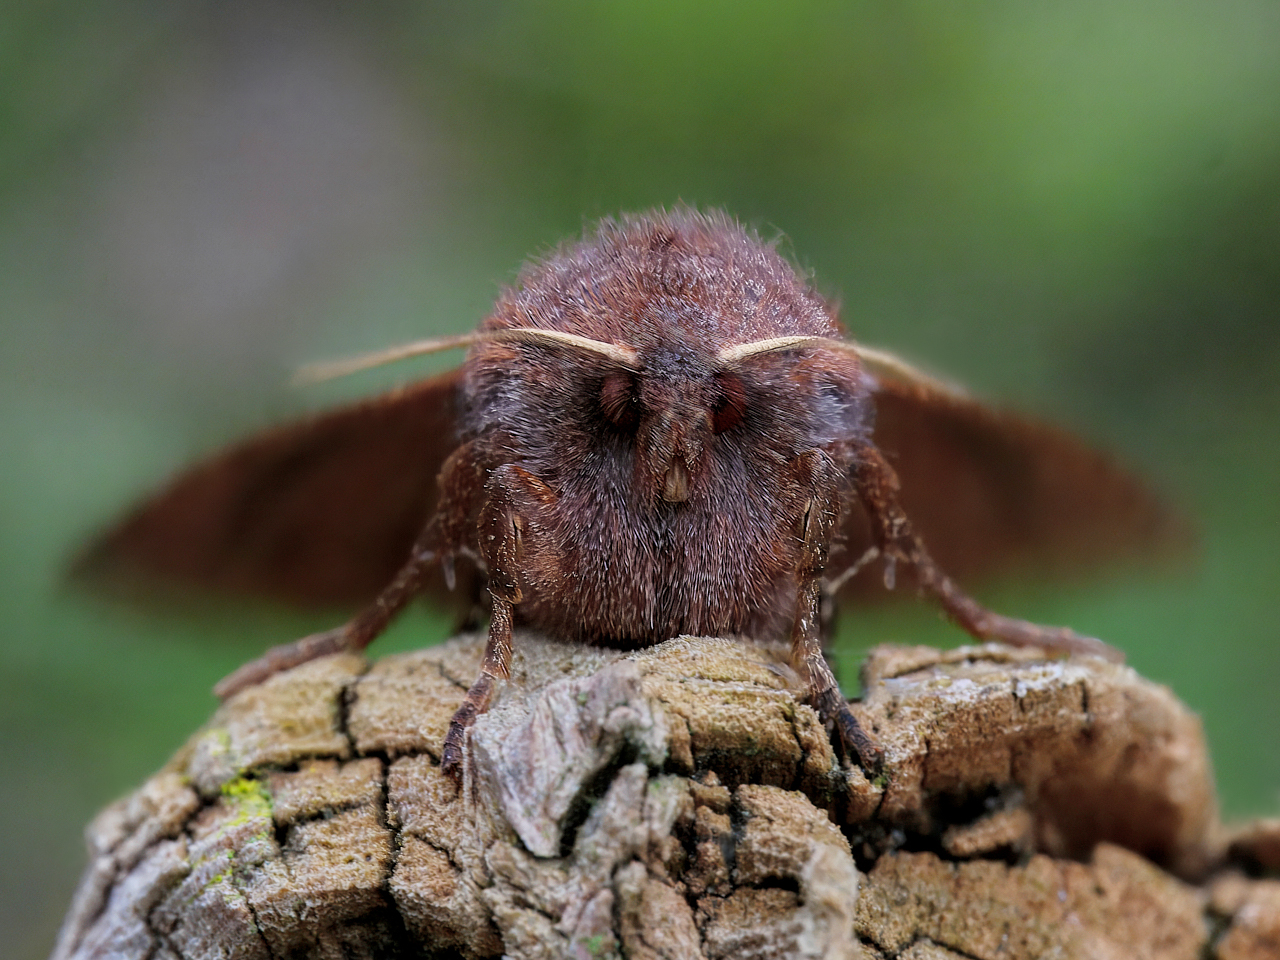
[608, 559]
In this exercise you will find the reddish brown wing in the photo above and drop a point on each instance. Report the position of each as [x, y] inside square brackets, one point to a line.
[993, 493]
[319, 512]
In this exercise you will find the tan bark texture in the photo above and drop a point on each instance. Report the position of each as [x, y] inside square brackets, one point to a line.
[683, 802]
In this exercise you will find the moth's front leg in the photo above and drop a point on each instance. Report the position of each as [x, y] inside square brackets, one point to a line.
[513, 497]
[443, 536]
[819, 480]
[877, 488]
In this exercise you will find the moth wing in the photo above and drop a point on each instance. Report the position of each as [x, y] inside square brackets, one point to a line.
[993, 493]
[319, 512]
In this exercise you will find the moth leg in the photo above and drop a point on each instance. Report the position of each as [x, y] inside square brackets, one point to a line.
[352, 637]
[877, 488]
[437, 543]
[816, 473]
[514, 495]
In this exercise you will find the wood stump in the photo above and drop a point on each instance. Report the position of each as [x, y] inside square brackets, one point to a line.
[683, 802]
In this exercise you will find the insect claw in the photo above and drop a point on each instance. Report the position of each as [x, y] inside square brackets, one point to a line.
[857, 743]
[451, 754]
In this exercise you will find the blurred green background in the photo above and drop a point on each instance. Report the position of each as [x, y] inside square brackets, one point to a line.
[1074, 207]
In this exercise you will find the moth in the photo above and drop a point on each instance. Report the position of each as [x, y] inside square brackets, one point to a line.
[660, 429]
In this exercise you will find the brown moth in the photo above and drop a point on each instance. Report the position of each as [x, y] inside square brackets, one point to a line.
[659, 430]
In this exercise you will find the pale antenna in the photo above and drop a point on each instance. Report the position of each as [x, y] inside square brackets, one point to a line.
[875, 360]
[329, 370]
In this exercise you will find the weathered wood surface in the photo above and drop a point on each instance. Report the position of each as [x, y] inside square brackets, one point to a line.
[681, 802]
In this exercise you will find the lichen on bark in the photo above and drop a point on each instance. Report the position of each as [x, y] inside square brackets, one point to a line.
[683, 802]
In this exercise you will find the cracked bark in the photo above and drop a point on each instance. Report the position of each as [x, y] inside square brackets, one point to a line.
[682, 802]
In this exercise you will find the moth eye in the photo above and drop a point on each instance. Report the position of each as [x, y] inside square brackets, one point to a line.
[618, 400]
[731, 403]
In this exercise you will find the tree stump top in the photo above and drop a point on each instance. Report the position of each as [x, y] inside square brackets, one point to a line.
[682, 802]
